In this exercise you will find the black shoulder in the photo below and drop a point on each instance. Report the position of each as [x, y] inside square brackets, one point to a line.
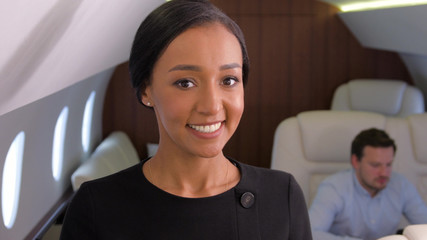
[264, 174]
[265, 180]
[119, 179]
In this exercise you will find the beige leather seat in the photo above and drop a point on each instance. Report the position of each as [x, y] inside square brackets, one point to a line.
[115, 153]
[316, 144]
[416, 232]
[411, 232]
[388, 97]
[393, 237]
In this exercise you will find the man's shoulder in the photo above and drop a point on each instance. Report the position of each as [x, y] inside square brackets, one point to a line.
[341, 181]
[340, 177]
[398, 180]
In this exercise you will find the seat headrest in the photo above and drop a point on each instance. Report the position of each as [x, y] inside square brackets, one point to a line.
[327, 135]
[115, 153]
[388, 97]
[418, 128]
[377, 96]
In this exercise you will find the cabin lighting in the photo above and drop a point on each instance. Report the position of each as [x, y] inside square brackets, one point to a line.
[87, 121]
[58, 144]
[371, 5]
[11, 181]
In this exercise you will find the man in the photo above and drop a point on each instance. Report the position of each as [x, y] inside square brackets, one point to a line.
[367, 201]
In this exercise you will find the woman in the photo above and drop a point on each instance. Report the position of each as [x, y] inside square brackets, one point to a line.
[189, 64]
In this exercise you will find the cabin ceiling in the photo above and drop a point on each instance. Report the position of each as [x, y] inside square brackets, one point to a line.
[361, 5]
[48, 45]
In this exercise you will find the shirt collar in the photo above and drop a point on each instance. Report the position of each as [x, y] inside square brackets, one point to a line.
[358, 186]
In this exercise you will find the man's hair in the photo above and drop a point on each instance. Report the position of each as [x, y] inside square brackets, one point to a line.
[371, 137]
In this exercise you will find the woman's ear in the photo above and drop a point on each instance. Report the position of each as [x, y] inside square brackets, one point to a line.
[146, 97]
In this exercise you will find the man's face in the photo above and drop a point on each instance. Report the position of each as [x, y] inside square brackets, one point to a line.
[373, 170]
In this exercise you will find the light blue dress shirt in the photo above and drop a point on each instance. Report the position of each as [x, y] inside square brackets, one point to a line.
[343, 209]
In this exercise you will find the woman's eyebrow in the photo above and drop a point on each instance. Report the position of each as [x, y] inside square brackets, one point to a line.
[189, 67]
[185, 67]
[230, 66]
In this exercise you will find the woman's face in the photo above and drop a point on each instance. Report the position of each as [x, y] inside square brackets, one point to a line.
[197, 91]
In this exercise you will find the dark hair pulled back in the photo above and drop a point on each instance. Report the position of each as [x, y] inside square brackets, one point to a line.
[163, 25]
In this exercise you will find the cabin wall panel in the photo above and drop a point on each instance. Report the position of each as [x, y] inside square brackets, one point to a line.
[246, 7]
[119, 94]
[270, 8]
[385, 66]
[302, 6]
[300, 53]
[319, 49]
[362, 61]
[338, 53]
[39, 190]
[123, 112]
[300, 64]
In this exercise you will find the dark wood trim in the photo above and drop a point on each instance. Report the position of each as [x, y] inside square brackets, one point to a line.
[51, 217]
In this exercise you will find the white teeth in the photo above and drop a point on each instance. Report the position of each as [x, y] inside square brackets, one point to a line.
[206, 128]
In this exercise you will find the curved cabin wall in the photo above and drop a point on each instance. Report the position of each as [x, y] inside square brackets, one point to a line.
[396, 29]
[54, 54]
[300, 52]
[48, 45]
[39, 189]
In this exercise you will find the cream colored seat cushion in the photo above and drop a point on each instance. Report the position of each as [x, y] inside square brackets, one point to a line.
[316, 144]
[388, 97]
[393, 237]
[115, 153]
[416, 232]
[411, 232]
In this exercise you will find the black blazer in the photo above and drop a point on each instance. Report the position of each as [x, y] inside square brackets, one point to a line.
[266, 204]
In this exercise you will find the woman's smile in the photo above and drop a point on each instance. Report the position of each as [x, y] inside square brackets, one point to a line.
[206, 128]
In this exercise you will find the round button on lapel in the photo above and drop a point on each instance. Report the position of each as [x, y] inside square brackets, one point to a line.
[247, 199]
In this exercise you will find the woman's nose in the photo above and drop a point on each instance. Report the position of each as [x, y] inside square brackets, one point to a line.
[210, 101]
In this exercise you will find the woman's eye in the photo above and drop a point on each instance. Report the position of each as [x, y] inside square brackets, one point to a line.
[230, 81]
[184, 83]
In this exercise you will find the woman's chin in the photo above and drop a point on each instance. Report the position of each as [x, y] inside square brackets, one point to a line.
[208, 152]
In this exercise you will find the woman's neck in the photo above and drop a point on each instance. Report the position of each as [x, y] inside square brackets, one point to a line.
[191, 177]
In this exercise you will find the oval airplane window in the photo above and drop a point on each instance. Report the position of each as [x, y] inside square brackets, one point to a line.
[87, 121]
[58, 144]
[11, 181]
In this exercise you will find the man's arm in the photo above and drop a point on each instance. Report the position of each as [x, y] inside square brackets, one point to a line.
[326, 205]
[414, 209]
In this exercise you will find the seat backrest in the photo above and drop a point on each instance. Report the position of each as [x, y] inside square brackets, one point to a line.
[115, 153]
[413, 163]
[316, 144]
[388, 97]
[394, 237]
[416, 232]
[411, 232]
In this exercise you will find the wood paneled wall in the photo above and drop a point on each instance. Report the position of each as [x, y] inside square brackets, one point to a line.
[300, 52]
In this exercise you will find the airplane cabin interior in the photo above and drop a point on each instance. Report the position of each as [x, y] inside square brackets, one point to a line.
[321, 70]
